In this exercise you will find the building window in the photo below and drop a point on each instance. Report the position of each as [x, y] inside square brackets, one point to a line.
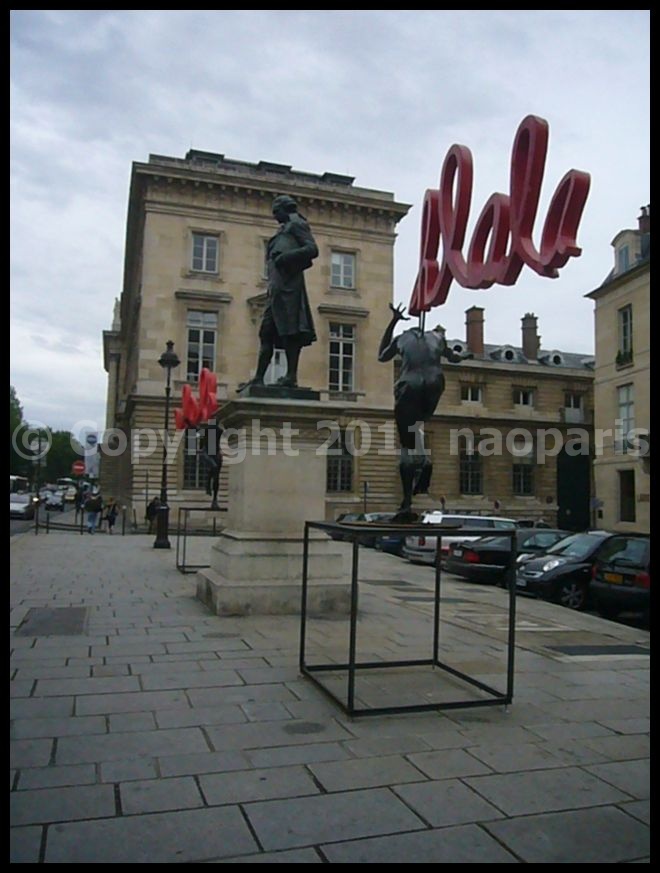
[523, 479]
[573, 411]
[625, 418]
[194, 473]
[472, 393]
[339, 466]
[202, 328]
[627, 495]
[625, 353]
[342, 270]
[523, 396]
[342, 357]
[204, 253]
[471, 473]
[622, 259]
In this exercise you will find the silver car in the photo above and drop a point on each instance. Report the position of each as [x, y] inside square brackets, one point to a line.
[421, 549]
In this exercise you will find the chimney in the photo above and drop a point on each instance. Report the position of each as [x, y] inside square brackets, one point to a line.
[474, 329]
[531, 341]
[644, 219]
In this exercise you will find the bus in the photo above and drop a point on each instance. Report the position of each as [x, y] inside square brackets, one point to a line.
[18, 484]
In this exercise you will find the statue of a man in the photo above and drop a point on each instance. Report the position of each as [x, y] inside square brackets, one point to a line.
[287, 320]
[416, 395]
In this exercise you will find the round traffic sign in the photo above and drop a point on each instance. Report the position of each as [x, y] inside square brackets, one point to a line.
[78, 468]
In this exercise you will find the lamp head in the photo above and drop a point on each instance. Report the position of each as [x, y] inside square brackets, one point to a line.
[169, 358]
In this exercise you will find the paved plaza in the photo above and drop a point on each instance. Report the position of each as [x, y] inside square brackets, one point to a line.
[144, 729]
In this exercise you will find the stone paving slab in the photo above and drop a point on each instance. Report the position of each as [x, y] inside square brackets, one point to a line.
[600, 835]
[545, 790]
[466, 844]
[283, 824]
[161, 838]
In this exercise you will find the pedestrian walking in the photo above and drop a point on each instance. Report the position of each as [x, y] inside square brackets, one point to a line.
[93, 508]
[152, 512]
[111, 513]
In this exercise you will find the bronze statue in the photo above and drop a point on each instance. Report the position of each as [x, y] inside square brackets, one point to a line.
[212, 456]
[416, 394]
[287, 320]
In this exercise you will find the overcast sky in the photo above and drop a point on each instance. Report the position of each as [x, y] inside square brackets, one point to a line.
[379, 96]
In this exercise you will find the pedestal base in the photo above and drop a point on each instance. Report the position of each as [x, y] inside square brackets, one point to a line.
[261, 574]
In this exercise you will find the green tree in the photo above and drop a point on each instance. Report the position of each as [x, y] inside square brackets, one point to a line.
[18, 465]
[61, 455]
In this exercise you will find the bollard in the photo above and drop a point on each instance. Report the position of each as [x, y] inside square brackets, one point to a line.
[123, 520]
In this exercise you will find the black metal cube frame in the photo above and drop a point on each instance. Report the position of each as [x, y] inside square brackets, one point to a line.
[181, 566]
[352, 667]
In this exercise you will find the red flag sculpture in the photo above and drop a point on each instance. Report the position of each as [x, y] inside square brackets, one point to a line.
[194, 411]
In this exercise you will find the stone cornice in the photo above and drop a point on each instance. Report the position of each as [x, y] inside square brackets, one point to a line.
[262, 185]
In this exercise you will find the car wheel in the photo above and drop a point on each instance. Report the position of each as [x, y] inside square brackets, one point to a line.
[572, 595]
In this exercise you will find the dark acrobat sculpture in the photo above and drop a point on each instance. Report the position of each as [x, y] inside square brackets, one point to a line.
[287, 320]
[211, 453]
[416, 394]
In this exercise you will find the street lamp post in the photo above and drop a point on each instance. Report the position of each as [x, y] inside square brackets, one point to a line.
[168, 360]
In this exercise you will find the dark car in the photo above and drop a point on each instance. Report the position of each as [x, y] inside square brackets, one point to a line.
[391, 542]
[369, 540]
[486, 559]
[621, 576]
[563, 573]
[363, 519]
[346, 518]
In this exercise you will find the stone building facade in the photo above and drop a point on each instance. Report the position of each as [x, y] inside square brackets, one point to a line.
[194, 273]
[622, 382]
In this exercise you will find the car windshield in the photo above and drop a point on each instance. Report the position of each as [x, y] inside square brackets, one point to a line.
[576, 546]
[630, 552]
[20, 498]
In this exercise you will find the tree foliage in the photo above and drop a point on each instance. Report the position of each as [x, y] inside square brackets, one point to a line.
[56, 464]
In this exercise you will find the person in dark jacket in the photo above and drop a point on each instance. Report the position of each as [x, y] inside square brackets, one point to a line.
[93, 508]
[287, 320]
[111, 513]
[152, 512]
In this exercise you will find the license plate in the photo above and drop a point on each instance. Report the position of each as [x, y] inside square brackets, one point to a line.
[458, 553]
[617, 578]
[521, 583]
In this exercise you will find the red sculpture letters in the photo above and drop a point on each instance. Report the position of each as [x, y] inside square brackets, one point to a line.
[505, 221]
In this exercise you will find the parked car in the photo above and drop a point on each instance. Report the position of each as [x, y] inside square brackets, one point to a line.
[486, 559]
[391, 542]
[22, 505]
[563, 573]
[421, 549]
[532, 522]
[346, 518]
[621, 576]
[54, 500]
[369, 539]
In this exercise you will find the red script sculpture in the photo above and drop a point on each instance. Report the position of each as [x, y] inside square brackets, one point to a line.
[505, 221]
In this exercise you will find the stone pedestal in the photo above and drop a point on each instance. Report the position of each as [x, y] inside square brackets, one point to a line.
[277, 481]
